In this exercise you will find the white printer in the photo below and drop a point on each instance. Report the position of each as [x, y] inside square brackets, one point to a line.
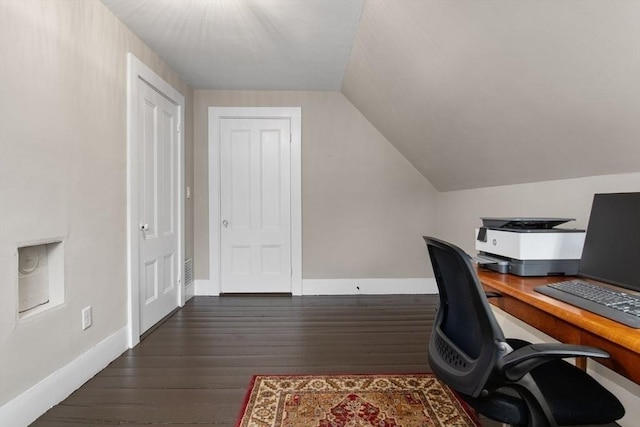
[529, 246]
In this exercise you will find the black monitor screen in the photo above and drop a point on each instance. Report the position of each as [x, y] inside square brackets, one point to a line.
[612, 245]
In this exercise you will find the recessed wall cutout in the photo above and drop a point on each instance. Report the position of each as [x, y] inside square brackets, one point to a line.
[40, 278]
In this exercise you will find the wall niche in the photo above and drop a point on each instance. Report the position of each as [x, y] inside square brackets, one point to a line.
[40, 278]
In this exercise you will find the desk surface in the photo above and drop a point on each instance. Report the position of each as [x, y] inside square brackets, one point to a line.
[565, 322]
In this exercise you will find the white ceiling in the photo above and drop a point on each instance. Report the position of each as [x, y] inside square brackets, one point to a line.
[248, 44]
[473, 93]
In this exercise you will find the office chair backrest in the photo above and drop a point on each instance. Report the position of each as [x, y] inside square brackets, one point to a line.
[465, 342]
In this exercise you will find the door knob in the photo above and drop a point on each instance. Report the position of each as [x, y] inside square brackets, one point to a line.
[225, 223]
[144, 227]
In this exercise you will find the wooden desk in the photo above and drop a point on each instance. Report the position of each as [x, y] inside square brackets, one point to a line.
[565, 322]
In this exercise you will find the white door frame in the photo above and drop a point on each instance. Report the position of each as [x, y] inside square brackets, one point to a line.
[294, 114]
[136, 71]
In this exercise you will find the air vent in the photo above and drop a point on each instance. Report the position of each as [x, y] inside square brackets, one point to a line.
[188, 272]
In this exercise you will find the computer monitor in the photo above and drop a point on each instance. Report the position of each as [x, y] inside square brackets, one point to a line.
[611, 250]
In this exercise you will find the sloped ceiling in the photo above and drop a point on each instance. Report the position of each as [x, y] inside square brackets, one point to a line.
[472, 93]
[486, 93]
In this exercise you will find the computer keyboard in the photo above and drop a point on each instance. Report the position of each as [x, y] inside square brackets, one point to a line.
[615, 305]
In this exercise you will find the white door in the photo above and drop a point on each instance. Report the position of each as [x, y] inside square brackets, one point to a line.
[158, 205]
[255, 205]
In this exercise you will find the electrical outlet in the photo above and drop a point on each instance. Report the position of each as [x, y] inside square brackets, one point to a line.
[86, 317]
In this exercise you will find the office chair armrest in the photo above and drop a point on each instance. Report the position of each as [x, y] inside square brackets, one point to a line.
[519, 362]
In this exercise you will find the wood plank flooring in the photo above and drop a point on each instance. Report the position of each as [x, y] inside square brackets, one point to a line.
[195, 368]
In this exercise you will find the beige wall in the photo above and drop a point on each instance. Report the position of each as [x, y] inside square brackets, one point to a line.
[460, 211]
[63, 169]
[364, 207]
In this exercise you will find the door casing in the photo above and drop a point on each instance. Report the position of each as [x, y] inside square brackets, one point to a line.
[137, 72]
[294, 114]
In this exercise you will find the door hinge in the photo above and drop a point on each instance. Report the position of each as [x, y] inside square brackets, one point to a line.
[290, 138]
[179, 127]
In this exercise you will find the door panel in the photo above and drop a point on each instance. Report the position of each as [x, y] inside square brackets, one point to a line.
[167, 173]
[255, 205]
[270, 180]
[158, 242]
[149, 165]
[240, 180]
[150, 281]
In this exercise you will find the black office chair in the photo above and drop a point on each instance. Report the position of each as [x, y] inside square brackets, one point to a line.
[507, 380]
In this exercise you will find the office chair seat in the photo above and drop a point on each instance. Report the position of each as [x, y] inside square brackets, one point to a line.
[576, 399]
[508, 380]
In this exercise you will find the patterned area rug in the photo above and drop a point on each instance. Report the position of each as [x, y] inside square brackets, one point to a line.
[414, 400]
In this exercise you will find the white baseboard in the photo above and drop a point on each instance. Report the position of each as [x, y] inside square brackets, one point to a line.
[420, 285]
[28, 406]
[205, 287]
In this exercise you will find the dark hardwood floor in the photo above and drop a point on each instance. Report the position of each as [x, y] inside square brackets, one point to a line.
[195, 368]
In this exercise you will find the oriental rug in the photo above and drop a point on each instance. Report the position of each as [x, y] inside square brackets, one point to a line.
[413, 400]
